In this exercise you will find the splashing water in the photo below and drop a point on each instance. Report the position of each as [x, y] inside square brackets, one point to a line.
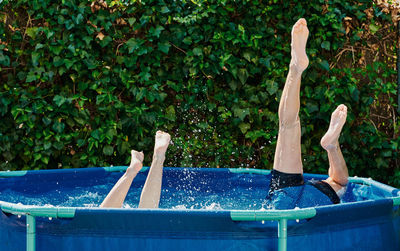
[182, 189]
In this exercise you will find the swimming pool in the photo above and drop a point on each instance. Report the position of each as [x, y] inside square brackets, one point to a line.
[200, 209]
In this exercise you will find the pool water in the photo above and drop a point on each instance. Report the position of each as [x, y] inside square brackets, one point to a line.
[183, 189]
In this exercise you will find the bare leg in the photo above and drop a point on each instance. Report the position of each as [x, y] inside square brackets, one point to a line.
[151, 192]
[338, 173]
[288, 149]
[116, 196]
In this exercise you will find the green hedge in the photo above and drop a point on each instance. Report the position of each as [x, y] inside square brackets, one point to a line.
[81, 85]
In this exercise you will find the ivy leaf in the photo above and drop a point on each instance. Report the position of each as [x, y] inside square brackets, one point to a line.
[187, 40]
[244, 127]
[4, 60]
[46, 121]
[36, 156]
[39, 46]
[35, 58]
[111, 133]
[47, 145]
[243, 75]
[59, 100]
[58, 61]
[69, 63]
[326, 45]
[374, 28]
[164, 10]
[247, 56]
[32, 32]
[95, 134]
[164, 47]
[106, 40]
[31, 77]
[241, 113]
[131, 20]
[311, 107]
[108, 150]
[45, 159]
[58, 127]
[124, 147]
[56, 49]
[324, 65]
[132, 45]
[79, 19]
[170, 113]
[156, 31]
[233, 84]
[145, 76]
[266, 62]
[58, 145]
[197, 51]
[272, 87]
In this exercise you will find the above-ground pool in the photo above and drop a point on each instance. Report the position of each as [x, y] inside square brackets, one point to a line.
[200, 209]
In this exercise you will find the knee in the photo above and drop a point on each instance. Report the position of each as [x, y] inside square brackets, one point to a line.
[342, 181]
[287, 122]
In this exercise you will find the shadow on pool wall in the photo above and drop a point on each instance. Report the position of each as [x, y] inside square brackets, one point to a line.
[201, 209]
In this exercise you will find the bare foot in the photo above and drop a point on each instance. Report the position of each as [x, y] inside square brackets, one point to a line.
[299, 41]
[162, 142]
[136, 162]
[331, 137]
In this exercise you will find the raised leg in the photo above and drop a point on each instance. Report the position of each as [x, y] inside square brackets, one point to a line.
[151, 192]
[288, 149]
[116, 196]
[338, 172]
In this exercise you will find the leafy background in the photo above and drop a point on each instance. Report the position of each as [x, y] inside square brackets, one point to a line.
[84, 82]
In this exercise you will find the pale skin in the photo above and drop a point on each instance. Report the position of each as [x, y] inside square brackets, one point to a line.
[288, 149]
[151, 192]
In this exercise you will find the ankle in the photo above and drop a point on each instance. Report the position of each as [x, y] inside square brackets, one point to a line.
[331, 147]
[295, 68]
[159, 156]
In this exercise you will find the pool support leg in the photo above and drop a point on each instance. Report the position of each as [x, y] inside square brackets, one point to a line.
[30, 233]
[282, 235]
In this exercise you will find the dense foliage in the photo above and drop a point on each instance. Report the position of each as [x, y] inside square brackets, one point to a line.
[83, 82]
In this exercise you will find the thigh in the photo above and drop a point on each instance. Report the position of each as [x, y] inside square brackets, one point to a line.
[288, 149]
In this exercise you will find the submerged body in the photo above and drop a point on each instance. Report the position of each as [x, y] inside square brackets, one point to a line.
[287, 179]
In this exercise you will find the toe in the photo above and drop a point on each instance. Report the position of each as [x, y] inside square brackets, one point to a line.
[302, 21]
[297, 27]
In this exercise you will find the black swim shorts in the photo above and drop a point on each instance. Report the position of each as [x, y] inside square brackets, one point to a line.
[280, 180]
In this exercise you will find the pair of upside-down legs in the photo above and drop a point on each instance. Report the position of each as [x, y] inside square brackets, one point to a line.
[288, 150]
[150, 196]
